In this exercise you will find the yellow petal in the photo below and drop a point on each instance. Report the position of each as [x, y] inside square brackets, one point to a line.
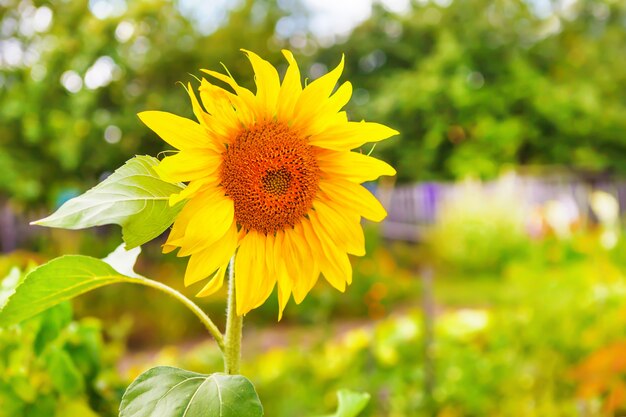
[177, 232]
[354, 229]
[167, 248]
[204, 262]
[244, 261]
[221, 104]
[282, 277]
[350, 135]
[215, 283]
[246, 95]
[270, 260]
[290, 89]
[333, 262]
[267, 82]
[343, 229]
[340, 98]
[240, 91]
[210, 214]
[192, 189]
[189, 165]
[323, 114]
[352, 166]
[202, 117]
[306, 263]
[213, 97]
[284, 291]
[178, 131]
[337, 269]
[267, 278]
[319, 90]
[252, 279]
[354, 197]
[338, 262]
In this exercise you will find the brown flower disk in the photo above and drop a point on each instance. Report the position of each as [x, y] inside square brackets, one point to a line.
[272, 176]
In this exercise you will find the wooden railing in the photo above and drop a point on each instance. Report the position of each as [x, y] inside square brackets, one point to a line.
[411, 208]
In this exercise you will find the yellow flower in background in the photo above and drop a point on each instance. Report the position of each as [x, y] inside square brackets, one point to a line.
[271, 176]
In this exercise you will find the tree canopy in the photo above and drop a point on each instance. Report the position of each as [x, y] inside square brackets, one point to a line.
[472, 85]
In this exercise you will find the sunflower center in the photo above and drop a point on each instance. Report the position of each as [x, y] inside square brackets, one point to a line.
[272, 176]
[277, 181]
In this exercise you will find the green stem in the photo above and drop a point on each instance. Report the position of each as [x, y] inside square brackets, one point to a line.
[210, 326]
[234, 324]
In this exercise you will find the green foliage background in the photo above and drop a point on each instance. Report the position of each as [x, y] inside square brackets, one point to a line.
[471, 85]
[52, 365]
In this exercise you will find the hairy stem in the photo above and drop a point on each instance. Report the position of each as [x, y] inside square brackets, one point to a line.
[234, 324]
[208, 323]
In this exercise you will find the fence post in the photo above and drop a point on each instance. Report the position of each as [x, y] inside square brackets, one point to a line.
[8, 232]
[428, 308]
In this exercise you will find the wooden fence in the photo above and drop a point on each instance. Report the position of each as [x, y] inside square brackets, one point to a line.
[411, 208]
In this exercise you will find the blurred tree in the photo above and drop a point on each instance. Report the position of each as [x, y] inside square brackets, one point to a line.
[473, 85]
[75, 73]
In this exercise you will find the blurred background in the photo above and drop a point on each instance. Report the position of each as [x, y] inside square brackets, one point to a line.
[496, 287]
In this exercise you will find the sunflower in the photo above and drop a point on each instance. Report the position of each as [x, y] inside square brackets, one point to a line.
[270, 176]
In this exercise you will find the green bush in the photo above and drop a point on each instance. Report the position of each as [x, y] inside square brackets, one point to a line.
[479, 229]
[54, 366]
[510, 349]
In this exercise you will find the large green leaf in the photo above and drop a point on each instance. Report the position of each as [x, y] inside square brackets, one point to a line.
[350, 403]
[133, 196]
[172, 392]
[59, 280]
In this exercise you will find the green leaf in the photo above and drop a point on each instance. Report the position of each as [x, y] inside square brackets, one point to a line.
[88, 353]
[52, 322]
[172, 392]
[12, 404]
[64, 374]
[44, 406]
[69, 276]
[77, 407]
[133, 196]
[59, 280]
[350, 403]
[123, 260]
[8, 284]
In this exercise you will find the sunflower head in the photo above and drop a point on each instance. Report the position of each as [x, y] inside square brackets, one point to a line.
[270, 175]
